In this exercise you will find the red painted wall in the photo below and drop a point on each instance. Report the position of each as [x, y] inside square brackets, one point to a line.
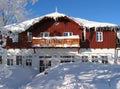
[64, 24]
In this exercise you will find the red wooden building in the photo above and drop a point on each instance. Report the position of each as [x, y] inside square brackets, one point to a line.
[56, 38]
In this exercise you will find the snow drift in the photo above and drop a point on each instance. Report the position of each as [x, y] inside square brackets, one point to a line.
[13, 77]
[78, 76]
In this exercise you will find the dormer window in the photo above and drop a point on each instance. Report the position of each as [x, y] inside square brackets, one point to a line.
[67, 34]
[44, 34]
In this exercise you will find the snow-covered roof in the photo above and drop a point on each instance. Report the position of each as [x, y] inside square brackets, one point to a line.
[26, 24]
[55, 15]
[90, 24]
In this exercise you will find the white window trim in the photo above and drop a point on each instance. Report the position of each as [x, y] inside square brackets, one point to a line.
[29, 34]
[99, 36]
[43, 34]
[68, 33]
[15, 38]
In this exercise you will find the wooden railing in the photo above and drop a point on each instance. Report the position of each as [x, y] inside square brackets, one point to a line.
[71, 41]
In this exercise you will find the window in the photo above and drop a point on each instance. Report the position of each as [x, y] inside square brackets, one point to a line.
[15, 38]
[29, 34]
[83, 36]
[9, 61]
[94, 58]
[67, 34]
[18, 60]
[44, 34]
[84, 58]
[99, 36]
[104, 59]
[68, 58]
[28, 62]
[0, 59]
[44, 64]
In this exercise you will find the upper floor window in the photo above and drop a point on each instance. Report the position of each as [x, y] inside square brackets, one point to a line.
[67, 34]
[99, 36]
[44, 34]
[29, 34]
[15, 38]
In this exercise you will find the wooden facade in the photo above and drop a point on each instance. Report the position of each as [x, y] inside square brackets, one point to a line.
[56, 27]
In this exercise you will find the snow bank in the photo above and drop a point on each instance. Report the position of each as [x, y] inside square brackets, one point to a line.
[78, 76]
[13, 77]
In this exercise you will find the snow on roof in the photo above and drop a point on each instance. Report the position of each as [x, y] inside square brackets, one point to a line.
[17, 28]
[22, 26]
[55, 15]
[90, 24]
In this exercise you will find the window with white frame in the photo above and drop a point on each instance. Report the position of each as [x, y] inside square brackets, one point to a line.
[29, 34]
[44, 34]
[18, 60]
[67, 34]
[99, 36]
[9, 62]
[15, 38]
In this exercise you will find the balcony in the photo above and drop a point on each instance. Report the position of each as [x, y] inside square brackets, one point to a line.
[56, 41]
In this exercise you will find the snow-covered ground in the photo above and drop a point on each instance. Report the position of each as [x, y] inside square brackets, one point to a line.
[63, 76]
[13, 77]
[78, 76]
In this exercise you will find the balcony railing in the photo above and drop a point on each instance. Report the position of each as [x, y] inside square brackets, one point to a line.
[57, 41]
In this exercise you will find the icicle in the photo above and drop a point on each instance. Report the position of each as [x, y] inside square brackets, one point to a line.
[84, 33]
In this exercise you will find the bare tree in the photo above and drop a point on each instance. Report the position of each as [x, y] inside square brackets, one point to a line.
[12, 11]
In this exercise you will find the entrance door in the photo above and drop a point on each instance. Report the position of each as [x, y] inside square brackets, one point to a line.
[42, 66]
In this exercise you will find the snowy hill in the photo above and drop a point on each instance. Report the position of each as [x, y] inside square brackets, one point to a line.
[13, 77]
[78, 76]
[64, 76]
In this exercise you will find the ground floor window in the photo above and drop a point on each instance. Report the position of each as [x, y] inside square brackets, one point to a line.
[84, 58]
[0, 59]
[44, 64]
[94, 58]
[65, 59]
[18, 60]
[104, 59]
[28, 62]
[9, 61]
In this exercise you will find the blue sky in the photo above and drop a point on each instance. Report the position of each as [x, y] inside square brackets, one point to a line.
[94, 10]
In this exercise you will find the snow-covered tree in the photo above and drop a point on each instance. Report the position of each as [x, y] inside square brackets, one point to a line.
[12, 11]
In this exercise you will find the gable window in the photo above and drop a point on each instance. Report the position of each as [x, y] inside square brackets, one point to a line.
[99, 36]
[29, 34]
[44, 34]
[18, 60]
[67, 34]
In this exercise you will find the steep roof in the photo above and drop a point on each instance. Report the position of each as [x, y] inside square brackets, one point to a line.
[17, 28]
